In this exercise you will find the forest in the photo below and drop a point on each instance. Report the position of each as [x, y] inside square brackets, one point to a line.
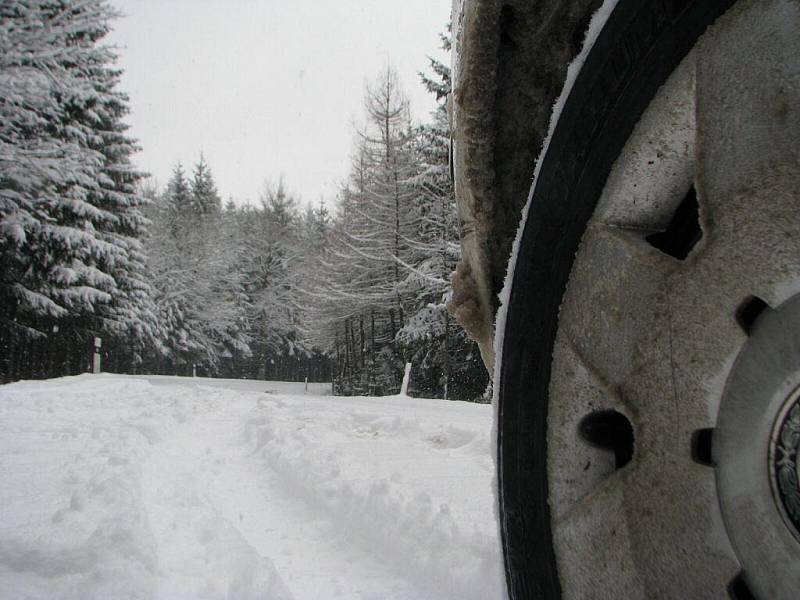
[172, 280]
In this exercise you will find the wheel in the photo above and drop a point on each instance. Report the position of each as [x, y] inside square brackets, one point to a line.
[649, 367]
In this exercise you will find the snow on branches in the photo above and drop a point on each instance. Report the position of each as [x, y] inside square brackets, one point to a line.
[69, 212]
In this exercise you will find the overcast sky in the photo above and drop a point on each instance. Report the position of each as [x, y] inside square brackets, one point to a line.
[265, 87]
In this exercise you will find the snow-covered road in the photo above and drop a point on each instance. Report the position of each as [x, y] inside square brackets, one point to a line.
[178, 488]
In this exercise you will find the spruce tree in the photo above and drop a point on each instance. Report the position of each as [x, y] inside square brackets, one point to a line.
[178, 192]
[447, 362]
[194, 261]
[70, 217]
[271, 257]
[205, 198]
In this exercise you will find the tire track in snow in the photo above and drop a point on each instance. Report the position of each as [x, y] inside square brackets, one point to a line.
[167, 488]
[225, 528]
[407, 480]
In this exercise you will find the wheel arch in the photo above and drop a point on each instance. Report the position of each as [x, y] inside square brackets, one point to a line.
[510, 63]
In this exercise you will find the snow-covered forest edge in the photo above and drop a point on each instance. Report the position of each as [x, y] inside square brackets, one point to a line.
[173, 280]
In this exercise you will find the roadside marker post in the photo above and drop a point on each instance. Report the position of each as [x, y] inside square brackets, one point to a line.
[406, 377]
[96, 358]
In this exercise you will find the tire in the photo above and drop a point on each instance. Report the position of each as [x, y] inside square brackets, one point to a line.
[639, 47]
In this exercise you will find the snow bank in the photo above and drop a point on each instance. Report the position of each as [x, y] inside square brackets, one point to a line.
[126, 487]
[243, 385]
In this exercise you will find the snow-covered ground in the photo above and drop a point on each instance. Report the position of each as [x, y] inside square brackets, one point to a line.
[163, 487]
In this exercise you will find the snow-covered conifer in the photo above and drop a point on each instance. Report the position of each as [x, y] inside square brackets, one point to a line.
[178, 192]
[447, 361]
[69, 210]
[198, 285]
[204, 192]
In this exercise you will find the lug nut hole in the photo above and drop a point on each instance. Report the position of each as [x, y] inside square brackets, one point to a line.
[609, 430]
[702, 440]
[683, 232]
[739, 590]
[749, 311]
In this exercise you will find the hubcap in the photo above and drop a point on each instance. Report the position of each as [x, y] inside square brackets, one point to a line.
[784, 467]
[755, 449]
[660, 358]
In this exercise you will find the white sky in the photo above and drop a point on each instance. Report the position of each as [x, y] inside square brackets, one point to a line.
[265, 87]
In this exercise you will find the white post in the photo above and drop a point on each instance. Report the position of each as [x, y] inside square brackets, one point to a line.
[306, 383]
[406, 377]
[194, 370]
[96, 359]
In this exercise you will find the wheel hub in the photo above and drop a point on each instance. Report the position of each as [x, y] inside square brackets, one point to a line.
[755, 449]
[783, 464]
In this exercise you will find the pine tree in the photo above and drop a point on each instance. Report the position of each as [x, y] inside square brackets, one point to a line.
[270, 259]
[447, 361]
[204, 193]
[440, 84]
[69, 211]
[193, 261]
[178, 192]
